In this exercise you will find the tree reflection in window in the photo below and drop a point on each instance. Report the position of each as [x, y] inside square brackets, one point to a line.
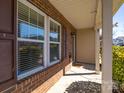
[30, 56]
[54, 52]
[30, 31]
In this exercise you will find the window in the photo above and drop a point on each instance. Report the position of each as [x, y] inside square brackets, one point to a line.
[30, 39]
[39, 43]
[55, 43]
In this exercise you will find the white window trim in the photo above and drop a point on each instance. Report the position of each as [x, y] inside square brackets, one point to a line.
[31, 40]
[33, 71]
[53, 62]
[55, 42]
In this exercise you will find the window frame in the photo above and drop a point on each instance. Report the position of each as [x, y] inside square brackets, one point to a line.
[46, 41]
[53, 42]
[37, 69]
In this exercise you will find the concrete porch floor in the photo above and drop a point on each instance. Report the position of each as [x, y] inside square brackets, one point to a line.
[78, 74]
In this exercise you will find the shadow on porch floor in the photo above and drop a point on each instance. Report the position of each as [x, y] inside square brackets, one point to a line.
[78, 79]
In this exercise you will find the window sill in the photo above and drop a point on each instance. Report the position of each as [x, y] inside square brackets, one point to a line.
[54, 62]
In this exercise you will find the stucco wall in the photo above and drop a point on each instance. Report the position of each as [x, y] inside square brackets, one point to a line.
[86, 46]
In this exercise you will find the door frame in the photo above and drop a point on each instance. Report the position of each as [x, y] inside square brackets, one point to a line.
[73, 36]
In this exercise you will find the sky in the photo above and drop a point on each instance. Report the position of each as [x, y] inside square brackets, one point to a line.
[119, 18]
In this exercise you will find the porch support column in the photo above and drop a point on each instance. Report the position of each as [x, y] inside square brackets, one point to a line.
[97, 49]
[107, 46]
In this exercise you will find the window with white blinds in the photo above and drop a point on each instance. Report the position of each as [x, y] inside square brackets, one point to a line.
[39, 40]
[55, 44]
[30, 39]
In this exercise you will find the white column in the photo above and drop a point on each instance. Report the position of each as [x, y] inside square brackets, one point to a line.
[107, 46]
[46, 54]
[97, 50]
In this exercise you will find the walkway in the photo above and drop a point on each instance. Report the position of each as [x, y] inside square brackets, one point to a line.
[78, 79]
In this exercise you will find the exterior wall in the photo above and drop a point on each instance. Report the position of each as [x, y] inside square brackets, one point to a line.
[85, 46]
[40, 82]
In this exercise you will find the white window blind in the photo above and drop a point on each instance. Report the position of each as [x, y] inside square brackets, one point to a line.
[30, 39]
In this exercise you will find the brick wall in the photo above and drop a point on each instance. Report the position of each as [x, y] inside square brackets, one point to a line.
[42, 81]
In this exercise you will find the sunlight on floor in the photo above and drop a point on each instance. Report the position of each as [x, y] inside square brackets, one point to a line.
[76, 75]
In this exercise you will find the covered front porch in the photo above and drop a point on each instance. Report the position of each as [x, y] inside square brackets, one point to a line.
[41, 39]
[88, 17]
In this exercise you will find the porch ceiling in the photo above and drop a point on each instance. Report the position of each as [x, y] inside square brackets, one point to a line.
[83, 13]
[80, 13]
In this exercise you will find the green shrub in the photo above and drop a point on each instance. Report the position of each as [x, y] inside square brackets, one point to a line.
[118, 64]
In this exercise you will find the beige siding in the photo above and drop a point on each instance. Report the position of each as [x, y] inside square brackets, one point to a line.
[86, 46]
